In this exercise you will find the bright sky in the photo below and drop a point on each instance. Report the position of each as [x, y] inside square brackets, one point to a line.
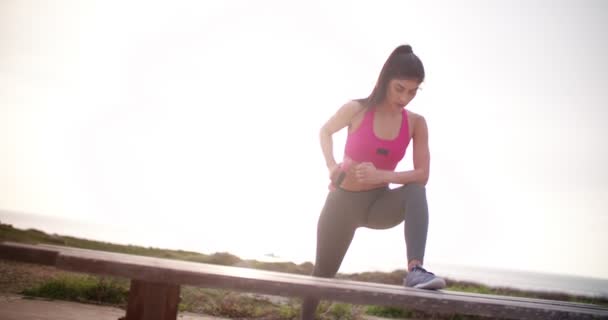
[196, 123]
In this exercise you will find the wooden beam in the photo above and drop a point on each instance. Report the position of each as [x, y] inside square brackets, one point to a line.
[152, 301]
[158, 275]
[28, 253]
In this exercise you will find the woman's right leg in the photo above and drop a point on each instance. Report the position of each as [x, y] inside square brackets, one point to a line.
[335, 230]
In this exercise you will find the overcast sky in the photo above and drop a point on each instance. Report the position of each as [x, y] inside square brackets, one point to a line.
[197, 122]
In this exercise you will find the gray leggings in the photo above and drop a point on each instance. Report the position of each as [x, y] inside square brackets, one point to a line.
[383, 208]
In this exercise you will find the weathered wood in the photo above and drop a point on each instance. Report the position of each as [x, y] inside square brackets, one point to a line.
[157, 270]
[152, 301]
[29, 253]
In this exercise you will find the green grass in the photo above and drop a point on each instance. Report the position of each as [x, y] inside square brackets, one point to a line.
[404, 313]
[33, 236]
[389, 312]
[113, 291]
[87, 289]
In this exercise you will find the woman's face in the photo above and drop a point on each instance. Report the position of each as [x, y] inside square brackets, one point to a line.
[401, 91]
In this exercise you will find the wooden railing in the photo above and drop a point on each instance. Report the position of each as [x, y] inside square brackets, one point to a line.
[155, 286]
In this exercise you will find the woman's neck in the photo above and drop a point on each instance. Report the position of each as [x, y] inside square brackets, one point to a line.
[385, 108]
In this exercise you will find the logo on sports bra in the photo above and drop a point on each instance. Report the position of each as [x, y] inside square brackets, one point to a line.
[382, 151]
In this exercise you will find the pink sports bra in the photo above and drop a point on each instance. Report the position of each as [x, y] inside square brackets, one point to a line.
[363, 145]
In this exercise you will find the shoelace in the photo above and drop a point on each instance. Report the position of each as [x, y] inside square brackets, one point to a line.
[422, 269]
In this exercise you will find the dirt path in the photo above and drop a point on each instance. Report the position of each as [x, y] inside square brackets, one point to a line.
[15, 307]
[17, 276]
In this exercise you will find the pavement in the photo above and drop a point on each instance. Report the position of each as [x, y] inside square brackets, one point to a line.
[16, 307]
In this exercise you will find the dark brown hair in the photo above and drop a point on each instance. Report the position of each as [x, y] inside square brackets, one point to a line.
[402, 63]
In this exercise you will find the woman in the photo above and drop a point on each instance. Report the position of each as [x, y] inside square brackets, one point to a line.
[379, 131]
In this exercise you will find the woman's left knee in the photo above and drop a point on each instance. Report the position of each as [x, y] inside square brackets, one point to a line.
[414, 191]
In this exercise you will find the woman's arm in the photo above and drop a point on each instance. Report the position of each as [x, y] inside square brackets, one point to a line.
[421, 157]
[339, 120]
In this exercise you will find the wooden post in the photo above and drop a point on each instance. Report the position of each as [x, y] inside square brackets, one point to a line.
[152, 301]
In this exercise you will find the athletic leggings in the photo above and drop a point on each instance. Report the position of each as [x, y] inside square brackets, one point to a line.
[382, 208]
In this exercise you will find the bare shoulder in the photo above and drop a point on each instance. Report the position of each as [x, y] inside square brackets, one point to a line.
[350, 113]
[414, 116]
[418, 123]
[343, 117]
[351, 108]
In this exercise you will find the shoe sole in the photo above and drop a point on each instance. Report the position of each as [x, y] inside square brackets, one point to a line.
[434, 284]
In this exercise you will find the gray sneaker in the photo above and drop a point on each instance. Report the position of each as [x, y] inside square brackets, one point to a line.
[422, 279]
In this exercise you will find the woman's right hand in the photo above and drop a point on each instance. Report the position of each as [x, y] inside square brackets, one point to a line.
[334, 171]
[334, 174]
[351, 182]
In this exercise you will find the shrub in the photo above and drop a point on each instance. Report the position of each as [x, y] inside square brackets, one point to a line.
[81, 289]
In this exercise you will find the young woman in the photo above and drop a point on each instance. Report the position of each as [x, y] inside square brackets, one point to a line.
[379, 131]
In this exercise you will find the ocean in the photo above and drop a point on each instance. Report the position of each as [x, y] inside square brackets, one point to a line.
[524, 280]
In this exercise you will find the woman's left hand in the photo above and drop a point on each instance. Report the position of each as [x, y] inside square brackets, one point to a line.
[367, 173]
